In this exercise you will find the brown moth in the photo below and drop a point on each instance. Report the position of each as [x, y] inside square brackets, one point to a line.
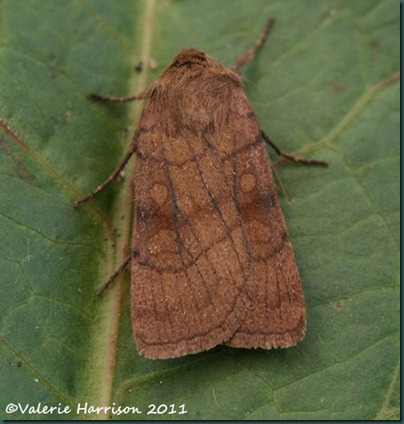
[211, 261]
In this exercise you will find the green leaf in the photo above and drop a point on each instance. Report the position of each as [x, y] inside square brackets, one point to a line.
[324, 85]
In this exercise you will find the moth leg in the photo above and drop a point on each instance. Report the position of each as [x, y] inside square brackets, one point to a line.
[292, 158]
[140, 96]
[118, 272]
[249, 56]
[128, 155]
[112, 177]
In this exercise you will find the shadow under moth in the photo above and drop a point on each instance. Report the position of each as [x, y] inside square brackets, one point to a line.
[211, 259]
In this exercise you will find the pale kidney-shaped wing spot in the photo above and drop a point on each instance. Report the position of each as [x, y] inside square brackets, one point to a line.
[247, 182]
[159, 194]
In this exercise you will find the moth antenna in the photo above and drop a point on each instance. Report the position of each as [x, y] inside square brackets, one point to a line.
[249, 56]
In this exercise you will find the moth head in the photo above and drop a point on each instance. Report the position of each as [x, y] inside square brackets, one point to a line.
[189, 55]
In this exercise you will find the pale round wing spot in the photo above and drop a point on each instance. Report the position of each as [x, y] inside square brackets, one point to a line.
[159, 194]
[247, 182]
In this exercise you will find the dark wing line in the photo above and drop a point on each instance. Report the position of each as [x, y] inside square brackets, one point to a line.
[142, 156]
[204, 251]
[180, 244]
[165, 304]
[176, 213]
[216, 206]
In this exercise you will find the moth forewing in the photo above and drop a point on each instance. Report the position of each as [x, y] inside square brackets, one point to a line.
[212, 262]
